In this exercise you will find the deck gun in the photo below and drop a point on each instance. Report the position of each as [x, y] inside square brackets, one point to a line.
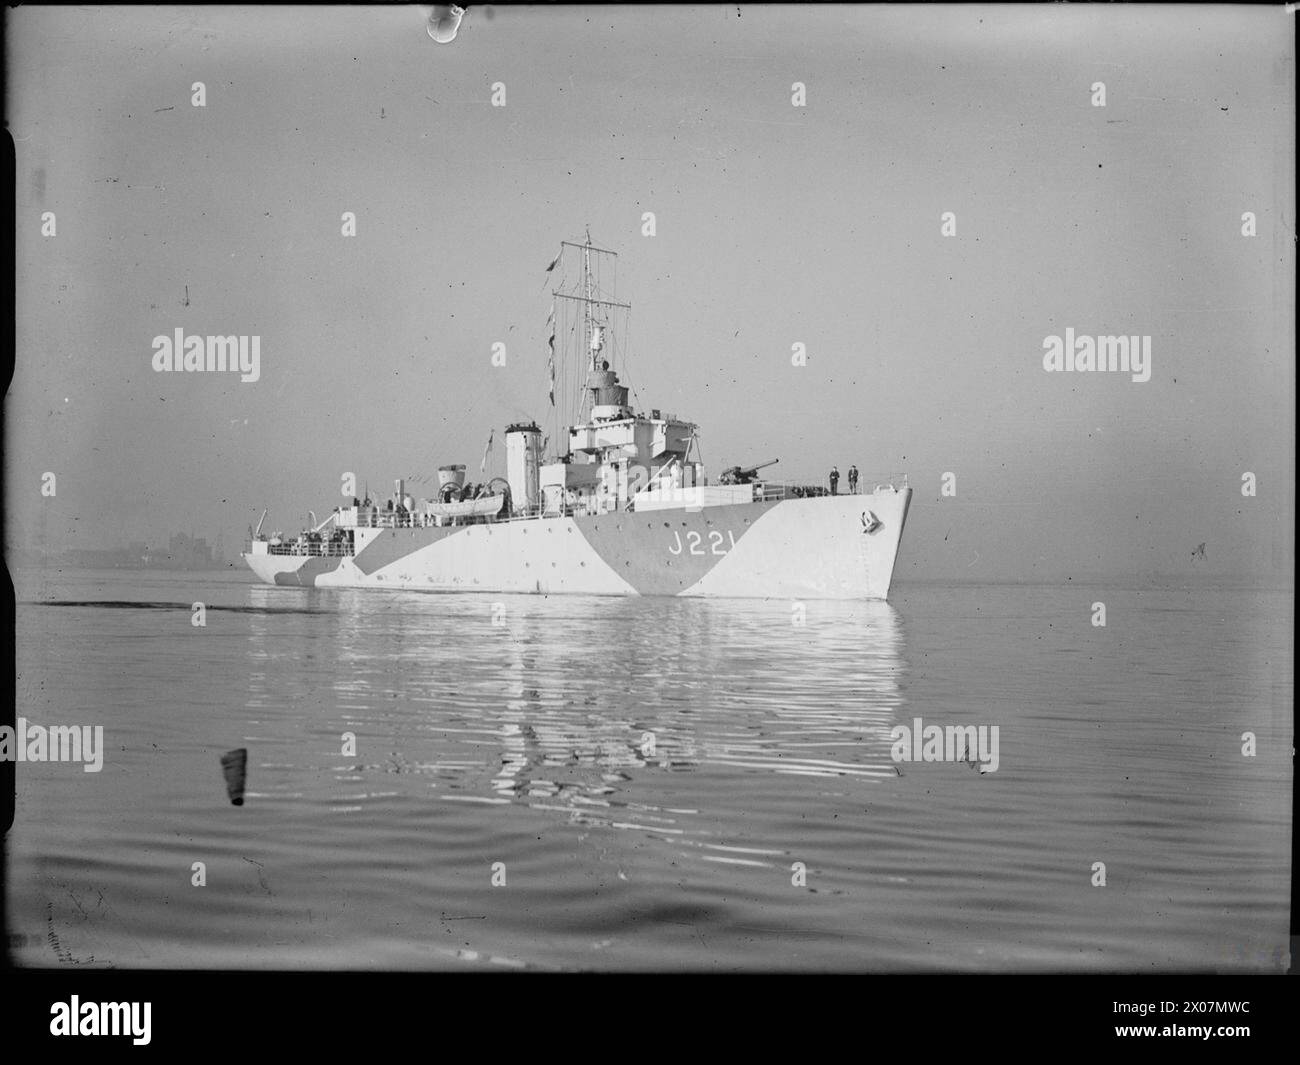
[744, 474]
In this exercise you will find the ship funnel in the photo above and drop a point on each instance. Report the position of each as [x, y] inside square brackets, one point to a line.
[523, 465]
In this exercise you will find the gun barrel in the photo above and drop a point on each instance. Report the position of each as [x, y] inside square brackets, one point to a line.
[744, 474]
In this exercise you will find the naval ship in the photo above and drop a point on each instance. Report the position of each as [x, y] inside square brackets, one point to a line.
[621, 505]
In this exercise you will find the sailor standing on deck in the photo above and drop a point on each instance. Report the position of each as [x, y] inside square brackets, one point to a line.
[853, 480]
[835, 480]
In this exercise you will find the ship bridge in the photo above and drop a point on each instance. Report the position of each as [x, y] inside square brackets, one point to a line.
[618, 454]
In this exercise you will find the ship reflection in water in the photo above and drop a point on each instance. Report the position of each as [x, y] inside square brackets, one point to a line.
[526, 700]
[564, 753]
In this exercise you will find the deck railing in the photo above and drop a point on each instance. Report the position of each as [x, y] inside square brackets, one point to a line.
[337, 549]
[769, 491]
[374, 518]
[389, 519]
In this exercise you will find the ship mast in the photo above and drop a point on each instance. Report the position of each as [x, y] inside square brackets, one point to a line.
[588, 323]
[593, 330]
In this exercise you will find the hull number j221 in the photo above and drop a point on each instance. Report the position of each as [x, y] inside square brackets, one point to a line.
[695, 543]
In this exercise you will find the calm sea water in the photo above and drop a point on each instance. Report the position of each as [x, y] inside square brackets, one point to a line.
[648, 773]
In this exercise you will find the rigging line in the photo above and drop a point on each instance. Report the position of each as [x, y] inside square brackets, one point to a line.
[562, 370]
[559, 372]
[627, 354]
[569, 343]
[577, 373]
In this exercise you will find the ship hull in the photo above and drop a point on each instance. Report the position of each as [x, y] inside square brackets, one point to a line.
[828, 547]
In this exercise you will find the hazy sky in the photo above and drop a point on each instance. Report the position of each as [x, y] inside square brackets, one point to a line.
[776, 225]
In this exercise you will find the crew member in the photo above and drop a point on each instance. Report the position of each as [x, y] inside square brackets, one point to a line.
[835, 480]
[853, 480]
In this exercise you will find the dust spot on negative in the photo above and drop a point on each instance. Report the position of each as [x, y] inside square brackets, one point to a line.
[444, 22]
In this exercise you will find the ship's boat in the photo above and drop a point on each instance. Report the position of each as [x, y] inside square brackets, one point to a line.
[621, 505]
[487, 507]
